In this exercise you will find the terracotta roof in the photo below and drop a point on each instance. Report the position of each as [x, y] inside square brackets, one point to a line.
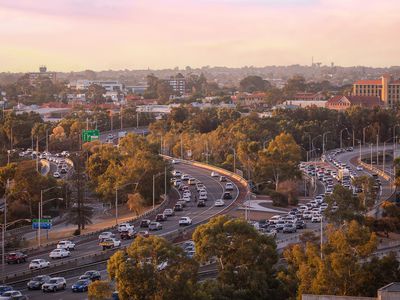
[371, 82]
[334, 100]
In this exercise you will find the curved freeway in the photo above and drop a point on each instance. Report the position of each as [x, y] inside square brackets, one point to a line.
[215, 190]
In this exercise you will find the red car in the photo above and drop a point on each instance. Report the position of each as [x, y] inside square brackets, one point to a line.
[16, 257]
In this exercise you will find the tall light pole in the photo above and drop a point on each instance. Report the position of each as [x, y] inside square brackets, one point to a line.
[323, 141]
[341, 137]
[234, 160]
[364, 128]
[370, 146]
[394, 137]
[40, 212]
[154, 185]
[116, 198]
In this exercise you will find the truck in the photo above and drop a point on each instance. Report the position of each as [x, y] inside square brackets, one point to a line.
[344, 174]
[110, 243]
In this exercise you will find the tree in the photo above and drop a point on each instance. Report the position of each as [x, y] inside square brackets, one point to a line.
[280, 160]
[252, 84]
[153, 268]
[244, 257]
[164, 91]
[99, 290]
[368, 195]
[135, 203]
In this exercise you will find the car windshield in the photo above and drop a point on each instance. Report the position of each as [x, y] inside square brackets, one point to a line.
[37, 278]
[53, 281]
[81, 282]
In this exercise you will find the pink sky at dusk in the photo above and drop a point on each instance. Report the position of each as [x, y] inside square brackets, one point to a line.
[135, 34]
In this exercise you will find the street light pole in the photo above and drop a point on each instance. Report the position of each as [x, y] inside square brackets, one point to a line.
[154, 196]
[394, 138]
[40, 212]
[323, 141]
[116, 206]
[371, 154]
[341, 137]
[364, 133]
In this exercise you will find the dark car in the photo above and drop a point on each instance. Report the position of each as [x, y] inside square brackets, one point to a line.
[161, 218]
[300, 224]
[81, 285]
[36, 282]
[92, 275]
[178, 207]
[4, 288]
[145, 223]
[201, 203]
[227, 196]
[128, 234]
[16, 257]
[222, 179]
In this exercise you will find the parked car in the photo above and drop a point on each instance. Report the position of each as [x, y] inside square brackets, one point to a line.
[16, 257]
[184, 221]
[219, 203]
[201, 203]
[82, 285]
[68, 245]
[59, 253]
[155, 226]
[54, 284]
[229, 186]
[226, 196]
[36, 282]
[110, 243]
[144, 223]
[106, 235]
[92, 275]
[38, 264]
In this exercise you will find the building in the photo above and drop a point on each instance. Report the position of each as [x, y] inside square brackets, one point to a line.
[250, 100]
[304, 103]
[345, 102]
[305, 96]
[178, 84]
[387, 89]
[35, 77]
[108, 85]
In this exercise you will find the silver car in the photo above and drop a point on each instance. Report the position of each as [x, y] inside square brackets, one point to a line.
[54, 284]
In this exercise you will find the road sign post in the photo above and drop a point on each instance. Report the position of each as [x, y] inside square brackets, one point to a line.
[90, 135]
[44, 223]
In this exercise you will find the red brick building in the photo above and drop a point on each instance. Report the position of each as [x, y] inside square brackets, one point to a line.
[345, 102]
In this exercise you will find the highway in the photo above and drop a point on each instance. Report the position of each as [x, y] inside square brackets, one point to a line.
[198, 215]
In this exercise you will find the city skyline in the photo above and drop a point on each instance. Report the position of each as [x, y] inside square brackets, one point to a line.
[74, 35]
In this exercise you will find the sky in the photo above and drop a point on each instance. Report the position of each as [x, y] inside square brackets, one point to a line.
[74, 35]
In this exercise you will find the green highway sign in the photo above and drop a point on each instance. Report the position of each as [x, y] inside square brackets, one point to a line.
[41, 220]
[90, 135]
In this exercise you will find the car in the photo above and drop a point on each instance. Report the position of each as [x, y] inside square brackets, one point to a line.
[226, 196]
[203, 196]
[269, 231]
[59, 253]
[200, 186]
[201, 203]
[222, 179]
[161, 218]
[186, 198]
[128, 234]
[175, 161]
[219, 203]
[5, 288]
[68, 245]
[192, 181]
[36, 282]
[289, 228]
[187, 193]
[155, 226]
[177, 182]
[144, 223]
[316, 219]
[125, 227]
[307, 215]
[143, 233]
[280, 224]
[176, 173]
[185, 177]
[214, 174]
[54, 284]
[110, 136]
[92, 275]
[359, 168]
[184, 221]
[82, 285]
[11, 295]
[229, 186]
[110, 243]
[38, 263]
[56, 175]
[300, 224]
[178, 207]
[106, 235]
[182, 203]
[16, 257]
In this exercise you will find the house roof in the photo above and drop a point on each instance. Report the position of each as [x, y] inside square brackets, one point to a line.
[391, 287]
[366, 101]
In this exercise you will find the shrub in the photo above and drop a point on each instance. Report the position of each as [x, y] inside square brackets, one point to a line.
[279, 199]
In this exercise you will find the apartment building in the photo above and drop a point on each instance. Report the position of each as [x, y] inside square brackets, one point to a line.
[386, 88]
[108, 85]
[178, 84]
[35, 77]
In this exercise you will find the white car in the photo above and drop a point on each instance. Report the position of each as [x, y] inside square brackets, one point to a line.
[203, 197]
[184, 221]
[59, 253]
[168, 212]
[185, 177]
[106, 235]
[56, 175]
[187, 193]
[110, 136]
[316, 219]
[125, 227]
[219, 203]
[9, 295]
[38, 264]
[68, 245]
[192, 181]
[186, 198]
[214, 174]
[359, 168]
[54, 284]
[229, 186]
[176, 173]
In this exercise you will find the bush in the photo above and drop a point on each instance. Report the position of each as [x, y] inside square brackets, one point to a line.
[279, 199]
[77, 232]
